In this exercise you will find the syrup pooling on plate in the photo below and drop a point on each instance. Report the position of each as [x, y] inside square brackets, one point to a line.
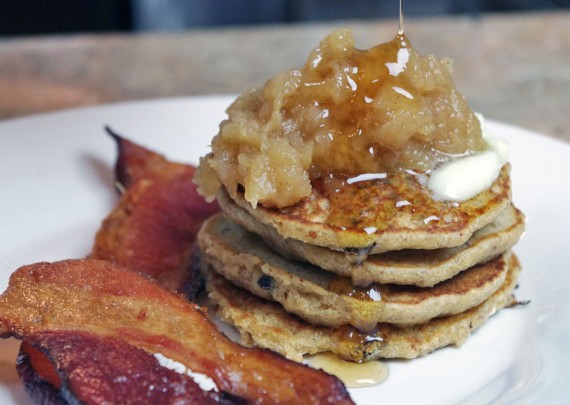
[345, 112]
[353, 375]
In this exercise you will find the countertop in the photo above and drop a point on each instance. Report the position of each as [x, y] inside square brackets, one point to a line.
[513, 68]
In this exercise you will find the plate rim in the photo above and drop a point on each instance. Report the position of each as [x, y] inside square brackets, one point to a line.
[146, 103]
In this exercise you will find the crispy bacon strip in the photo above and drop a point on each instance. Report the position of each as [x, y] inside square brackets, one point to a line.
[153, 227]
[85, 368]
[40, 379]
[110, 301]
[135, 162]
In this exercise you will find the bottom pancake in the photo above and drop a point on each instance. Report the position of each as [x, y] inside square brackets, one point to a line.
[265, 324]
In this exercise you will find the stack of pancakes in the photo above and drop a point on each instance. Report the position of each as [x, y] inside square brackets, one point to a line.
[408, 275]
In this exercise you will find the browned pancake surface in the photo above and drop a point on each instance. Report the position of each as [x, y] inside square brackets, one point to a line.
[381, 215]
[265, 324]
[420, 267]
[323, 298]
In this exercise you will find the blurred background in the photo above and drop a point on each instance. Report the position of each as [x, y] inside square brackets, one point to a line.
[33, 17]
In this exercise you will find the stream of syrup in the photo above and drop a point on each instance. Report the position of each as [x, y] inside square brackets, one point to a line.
[356, 375]
[401, 23]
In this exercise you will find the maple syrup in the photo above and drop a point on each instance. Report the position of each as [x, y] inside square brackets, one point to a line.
[343, 286]
[346, 112]
[353, 375]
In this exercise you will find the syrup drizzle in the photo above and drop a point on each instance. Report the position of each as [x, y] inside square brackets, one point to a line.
[353, 375]
[401, 23]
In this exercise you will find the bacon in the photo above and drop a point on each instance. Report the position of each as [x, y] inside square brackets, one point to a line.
[153, 227]
[84, 368]
[111, 301]
[135, 162]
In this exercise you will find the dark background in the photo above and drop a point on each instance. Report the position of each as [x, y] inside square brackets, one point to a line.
[33, 17]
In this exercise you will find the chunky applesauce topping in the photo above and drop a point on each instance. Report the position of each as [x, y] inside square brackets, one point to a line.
[346, 111]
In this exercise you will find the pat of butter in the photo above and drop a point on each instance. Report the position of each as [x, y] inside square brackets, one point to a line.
[466, 177]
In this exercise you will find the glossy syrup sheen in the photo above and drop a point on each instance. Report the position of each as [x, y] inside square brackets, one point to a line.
[353, 375]
[380, 109]
[344, 286]
[358, 343]
[371, 205]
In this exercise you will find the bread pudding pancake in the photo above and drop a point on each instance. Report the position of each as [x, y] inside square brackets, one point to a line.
[366, 215]
[324, 298]
[366, 209]
[264, 323]
[423, 268]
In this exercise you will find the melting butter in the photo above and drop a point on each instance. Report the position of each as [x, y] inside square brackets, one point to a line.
[353, 375]
[464, 178]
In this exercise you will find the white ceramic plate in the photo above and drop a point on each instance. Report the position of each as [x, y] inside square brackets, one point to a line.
[56, 186]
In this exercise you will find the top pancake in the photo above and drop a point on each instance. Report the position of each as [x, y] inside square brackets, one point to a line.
[423, 268]
[382, 215]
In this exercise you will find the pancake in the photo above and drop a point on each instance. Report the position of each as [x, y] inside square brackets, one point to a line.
[265, 324]
[323, 298]
[356, 220]
[381, 215]
[423, 268]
